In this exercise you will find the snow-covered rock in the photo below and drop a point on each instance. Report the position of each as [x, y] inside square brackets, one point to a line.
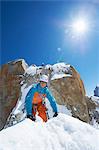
[65, 84]
[10, 78]
[95, 99]
[93, 107]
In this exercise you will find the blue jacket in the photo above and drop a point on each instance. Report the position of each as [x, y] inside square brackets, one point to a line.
[39, 89]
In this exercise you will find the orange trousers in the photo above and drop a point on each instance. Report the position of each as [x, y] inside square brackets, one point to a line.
[41, 109]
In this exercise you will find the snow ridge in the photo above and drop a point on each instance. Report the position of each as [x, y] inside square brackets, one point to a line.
[61, 133]
[59, 70]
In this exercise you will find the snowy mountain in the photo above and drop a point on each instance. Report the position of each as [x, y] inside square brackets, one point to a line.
[65, 84]
[61, 133]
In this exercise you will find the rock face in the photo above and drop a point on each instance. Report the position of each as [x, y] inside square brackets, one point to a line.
[68, 90]
[9, 88]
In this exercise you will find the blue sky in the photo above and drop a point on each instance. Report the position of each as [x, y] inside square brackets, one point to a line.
[40, 31]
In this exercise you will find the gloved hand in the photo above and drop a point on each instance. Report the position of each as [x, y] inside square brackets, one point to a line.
[55, 115]
[31, 117]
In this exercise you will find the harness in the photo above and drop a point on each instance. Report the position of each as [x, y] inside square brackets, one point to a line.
[38, 98]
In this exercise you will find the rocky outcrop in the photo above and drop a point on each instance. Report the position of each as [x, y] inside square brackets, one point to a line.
[93, 108]
[70, 91]
[10, 88]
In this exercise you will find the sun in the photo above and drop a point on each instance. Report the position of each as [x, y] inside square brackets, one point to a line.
[79, 27]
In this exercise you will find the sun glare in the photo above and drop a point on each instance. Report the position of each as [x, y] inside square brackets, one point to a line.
[79, 27]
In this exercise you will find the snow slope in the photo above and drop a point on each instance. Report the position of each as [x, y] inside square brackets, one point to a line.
[61, 133]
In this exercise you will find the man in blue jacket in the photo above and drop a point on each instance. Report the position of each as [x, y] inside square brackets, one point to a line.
[35, 100]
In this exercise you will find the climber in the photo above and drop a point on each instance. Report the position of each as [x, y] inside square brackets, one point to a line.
[35, 100]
